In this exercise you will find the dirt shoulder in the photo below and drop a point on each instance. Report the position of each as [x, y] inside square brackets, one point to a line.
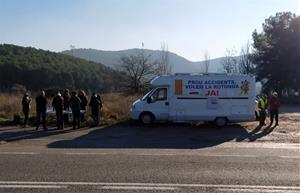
[288, 130]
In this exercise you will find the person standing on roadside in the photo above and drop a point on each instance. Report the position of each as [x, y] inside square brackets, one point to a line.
[84, 103]
[95, 105]
[58, 105]
[100, 106]
[75, 104]
[26, 100]
[41, 107]
[273, 107]
[262, 106]
[67, 98]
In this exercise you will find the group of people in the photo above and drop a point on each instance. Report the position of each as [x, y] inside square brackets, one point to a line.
[272, 105]
[63, 104]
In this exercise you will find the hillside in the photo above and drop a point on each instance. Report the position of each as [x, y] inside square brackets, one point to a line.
[39, 69]
[111, 59]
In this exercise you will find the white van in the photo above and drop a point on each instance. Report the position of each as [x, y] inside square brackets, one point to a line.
[220, 98]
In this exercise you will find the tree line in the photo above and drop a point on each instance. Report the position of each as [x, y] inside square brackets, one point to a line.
[37, 69]
[273, 57]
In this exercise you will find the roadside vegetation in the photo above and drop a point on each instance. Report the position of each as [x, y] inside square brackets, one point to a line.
[115, 109]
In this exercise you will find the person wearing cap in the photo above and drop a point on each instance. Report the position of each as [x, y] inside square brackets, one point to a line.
[273, 107]
[58, 105]
[26, 100]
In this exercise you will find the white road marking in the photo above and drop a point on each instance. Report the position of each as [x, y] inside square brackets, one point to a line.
[173, 154]
[157, 154]
[137, 188]
[145, 154]
[217, 155]
[18, 153]
[255, 190]
[262, 187]
[32, 186]
[290, 157]
[267, 145]
[89, 153]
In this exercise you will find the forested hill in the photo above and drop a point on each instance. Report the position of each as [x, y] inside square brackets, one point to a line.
[39, 69]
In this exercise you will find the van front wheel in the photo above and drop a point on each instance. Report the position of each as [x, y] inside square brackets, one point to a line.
[220, 121]
[146, 118]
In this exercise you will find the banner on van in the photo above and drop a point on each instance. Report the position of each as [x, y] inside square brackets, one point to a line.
[220, 87]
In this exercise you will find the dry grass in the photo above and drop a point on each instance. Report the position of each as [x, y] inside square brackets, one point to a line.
[10, 105]
[115, 106]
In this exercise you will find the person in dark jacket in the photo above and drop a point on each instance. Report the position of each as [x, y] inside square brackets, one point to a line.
[75, 104]
[95, 106]
[58, 105]
[273, 107]
[67, 98]
[26, 100]
[84, 103]
[41, 107]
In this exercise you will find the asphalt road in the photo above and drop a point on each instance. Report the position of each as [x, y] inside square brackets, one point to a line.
[135, 159]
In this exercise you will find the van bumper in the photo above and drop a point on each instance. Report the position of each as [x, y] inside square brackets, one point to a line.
[135, 115]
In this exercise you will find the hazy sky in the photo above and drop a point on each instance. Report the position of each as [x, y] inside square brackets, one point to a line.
[189, 27]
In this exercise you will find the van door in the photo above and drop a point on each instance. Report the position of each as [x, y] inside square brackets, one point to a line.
[158, 103]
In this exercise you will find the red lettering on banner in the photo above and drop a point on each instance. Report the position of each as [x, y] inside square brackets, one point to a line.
[212, 93]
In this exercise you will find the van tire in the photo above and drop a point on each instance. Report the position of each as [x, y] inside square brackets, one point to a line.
[220, 121]
[146, 118]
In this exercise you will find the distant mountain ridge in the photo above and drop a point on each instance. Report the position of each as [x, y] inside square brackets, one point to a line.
[112, 59]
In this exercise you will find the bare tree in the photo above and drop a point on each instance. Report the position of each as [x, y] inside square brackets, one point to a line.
[246, 66]
[164, 65]
[230, 61]
[139, 69]
[206, 62]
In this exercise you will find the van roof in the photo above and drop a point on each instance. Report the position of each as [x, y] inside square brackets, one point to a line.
[167, 79]
[203, 74]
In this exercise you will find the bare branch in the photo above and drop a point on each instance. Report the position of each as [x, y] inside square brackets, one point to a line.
[139, 68]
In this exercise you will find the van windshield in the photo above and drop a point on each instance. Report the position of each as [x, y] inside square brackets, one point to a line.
[146, 95]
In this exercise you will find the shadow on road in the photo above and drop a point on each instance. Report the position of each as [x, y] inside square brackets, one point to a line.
[164, 136]
[255, 134]
[14, 134]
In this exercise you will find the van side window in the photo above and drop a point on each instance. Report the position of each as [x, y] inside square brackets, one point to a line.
[162, 94]
[159, 95]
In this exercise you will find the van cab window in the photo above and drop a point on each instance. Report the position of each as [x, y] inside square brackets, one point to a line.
[159, 95]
